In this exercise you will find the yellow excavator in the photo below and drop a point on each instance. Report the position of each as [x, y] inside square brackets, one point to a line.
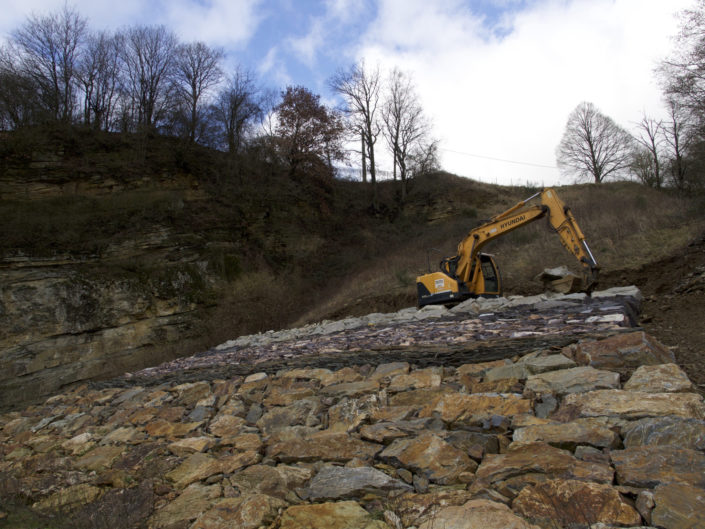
[472, 274]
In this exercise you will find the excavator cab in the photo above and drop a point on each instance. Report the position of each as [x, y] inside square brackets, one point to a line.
[491, 281]
[445, 287]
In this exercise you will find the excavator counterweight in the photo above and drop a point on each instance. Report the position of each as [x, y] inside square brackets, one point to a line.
[472, 273]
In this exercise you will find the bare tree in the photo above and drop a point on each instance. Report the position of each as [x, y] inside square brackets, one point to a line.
[48, 48]
[237, 105]
[651, 138]
[683, 73]
[197, 71]
[593, 146]
[424, 158]
[148, 61]
[679, 139]
[683, 78]
[99, 75]
[360, 88]
[405, 126]
[19, 101]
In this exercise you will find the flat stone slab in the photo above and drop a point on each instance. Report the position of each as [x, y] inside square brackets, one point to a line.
[336, 483]
[592, 432]
[332, 515]
[563, 502]
[467, 409]
[539, 458]
[683, 433]
[476, 514]
[339, 448]
[635, 404]
[678, 506]
[661, 378]
[430, 456]
[628, 350]
[573, 380]
[649, 466]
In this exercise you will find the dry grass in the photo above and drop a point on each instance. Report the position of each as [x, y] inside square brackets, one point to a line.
[625, 224]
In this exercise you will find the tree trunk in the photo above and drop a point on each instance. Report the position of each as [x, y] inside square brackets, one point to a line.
[364, 159]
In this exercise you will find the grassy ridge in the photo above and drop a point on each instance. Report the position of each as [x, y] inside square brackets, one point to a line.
[275, 252]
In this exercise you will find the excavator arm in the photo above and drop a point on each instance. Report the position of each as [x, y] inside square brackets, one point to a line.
[471, 273]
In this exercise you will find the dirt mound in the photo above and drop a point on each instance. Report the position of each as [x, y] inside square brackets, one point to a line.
[674, 304]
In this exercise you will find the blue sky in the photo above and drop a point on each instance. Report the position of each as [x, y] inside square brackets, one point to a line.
[498, 78]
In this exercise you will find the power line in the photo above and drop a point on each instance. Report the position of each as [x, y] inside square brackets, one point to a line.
[500, 159]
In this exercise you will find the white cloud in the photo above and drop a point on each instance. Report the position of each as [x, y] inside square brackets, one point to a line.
[217, 22]
[273, 66]
[307, 47]
[222, 22]
[509, 97]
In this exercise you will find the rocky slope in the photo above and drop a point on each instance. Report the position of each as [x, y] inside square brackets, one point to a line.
[566, 416]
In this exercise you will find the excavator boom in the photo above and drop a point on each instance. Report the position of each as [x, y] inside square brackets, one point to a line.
[472, 273]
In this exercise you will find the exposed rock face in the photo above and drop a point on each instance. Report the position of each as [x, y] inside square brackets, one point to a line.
[390, 445]
[63, 322]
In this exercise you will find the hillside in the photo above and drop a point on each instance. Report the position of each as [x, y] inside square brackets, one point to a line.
[121, 252]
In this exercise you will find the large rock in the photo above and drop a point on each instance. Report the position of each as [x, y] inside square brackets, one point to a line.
[99, 458]
[467, 409]
[574, 380]
[191, 445]
[348, 414]
[678, 506]
[390, 370]
[635, 404]
[568, 435]
[662, 378]
[280, 481]
[339, 448]
[247, 512]
[413, 509]
[629, 350]
[190, 393]
[191, 503]
[648, 466]
[68, 499]
[350, 389]
[683, 433]
[538, 458]
[560, 503]
[302, 412]
[385, 432]
[431, 457]
[338, 515]
[421, 378]
[543, 363]
[476, 514]
[194, 468]
[336, 483]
